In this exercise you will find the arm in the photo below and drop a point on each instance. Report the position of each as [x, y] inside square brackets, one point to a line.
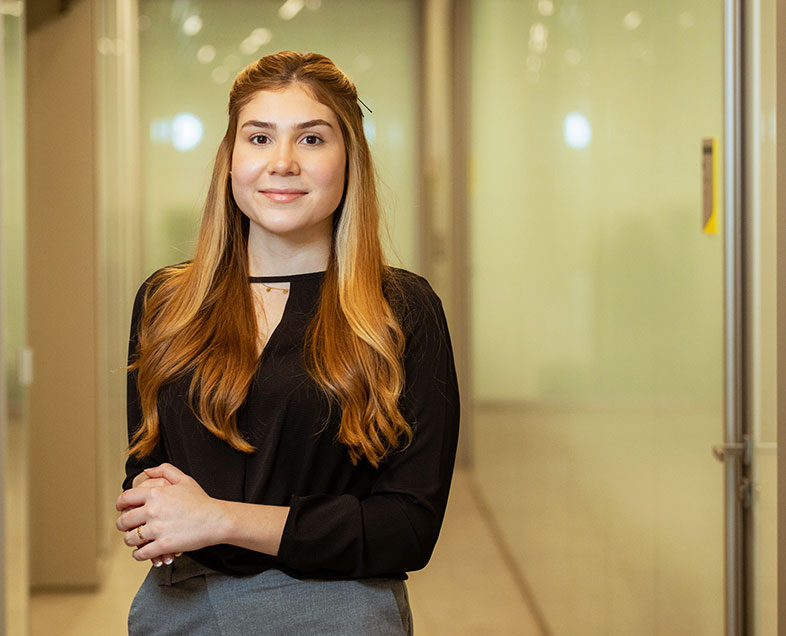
[135, 475]
[395, 528]
[174, 515]
[136, 465]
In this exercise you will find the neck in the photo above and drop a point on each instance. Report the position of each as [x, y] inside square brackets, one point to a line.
[280, 255]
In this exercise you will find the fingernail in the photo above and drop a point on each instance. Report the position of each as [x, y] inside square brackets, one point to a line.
[168, 560]
[177, 554]
[158, 564]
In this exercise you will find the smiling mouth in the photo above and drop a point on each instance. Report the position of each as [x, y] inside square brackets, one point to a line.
[284, 195]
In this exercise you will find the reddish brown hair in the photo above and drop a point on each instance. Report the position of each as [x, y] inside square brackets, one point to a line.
[199, 317]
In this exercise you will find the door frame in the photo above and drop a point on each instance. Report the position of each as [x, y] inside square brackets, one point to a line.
[781, 309]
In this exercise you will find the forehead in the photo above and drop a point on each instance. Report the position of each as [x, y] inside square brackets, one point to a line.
[291, 105]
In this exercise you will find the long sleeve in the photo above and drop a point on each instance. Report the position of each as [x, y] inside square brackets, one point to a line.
[135, 465]
[394, 528]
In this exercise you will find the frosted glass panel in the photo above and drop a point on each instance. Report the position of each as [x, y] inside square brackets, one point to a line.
[191, 51]
[597, 307]
[12, 304]
[761, 320]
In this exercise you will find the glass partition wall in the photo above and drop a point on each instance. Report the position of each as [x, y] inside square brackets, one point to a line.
[597, 312]
[15, 362]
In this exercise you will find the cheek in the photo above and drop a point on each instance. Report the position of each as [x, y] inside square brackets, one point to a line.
[244, 169]
[334, 177]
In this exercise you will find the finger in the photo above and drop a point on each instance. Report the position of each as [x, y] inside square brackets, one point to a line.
[132, 498]
[165, 559]
[138, 536]
[130, 519]
[140, 478]
[167, 471]
[149, 551]
[155, 483]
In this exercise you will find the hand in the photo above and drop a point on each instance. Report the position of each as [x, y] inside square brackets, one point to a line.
[171, 512]
[146, 482]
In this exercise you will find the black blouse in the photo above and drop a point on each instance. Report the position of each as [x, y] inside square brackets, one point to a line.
[345, 520]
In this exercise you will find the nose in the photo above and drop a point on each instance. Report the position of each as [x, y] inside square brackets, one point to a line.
[283, 161]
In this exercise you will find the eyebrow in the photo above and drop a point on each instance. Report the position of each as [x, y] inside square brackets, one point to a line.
[312, 123]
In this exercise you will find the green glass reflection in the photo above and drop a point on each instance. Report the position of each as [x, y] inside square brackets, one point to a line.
[12, 304]
[12, 206]
[597, 307]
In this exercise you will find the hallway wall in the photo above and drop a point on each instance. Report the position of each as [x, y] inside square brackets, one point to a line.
[62, 295]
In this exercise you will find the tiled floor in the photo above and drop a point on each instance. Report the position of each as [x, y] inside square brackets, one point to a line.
[466, 590]
[613, 513]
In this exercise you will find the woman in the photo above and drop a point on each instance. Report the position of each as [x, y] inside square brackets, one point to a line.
[292, 400]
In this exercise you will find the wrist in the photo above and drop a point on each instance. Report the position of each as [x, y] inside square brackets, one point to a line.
[223, 527]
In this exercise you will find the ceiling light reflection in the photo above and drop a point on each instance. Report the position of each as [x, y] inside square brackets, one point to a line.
[187, 131]
[249, 46]
[219, 75]
[538, 37]
[290, 9]
[577, 130]
[206, 54]
[184, 131]
[259, 37]
[546, 7]
[192, 25]
[262, 35]
[632, 20]
[370, 129]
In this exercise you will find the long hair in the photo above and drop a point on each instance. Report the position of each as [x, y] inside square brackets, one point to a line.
[198, 318]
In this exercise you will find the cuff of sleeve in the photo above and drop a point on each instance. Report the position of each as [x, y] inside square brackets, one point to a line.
[317, 534]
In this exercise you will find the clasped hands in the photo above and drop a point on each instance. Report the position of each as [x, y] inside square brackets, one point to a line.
[164, 514]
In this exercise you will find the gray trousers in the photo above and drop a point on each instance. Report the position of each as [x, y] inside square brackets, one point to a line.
[189, 599]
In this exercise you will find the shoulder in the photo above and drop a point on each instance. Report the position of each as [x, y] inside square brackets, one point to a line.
[403, 286]
[413, 300]
[154, 282]
[160, 276]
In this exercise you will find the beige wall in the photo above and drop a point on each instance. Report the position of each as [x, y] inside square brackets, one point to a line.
[62, 295]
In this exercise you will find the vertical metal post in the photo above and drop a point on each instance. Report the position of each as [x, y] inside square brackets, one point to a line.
[3, 423]
[780, 36]
[733, 316]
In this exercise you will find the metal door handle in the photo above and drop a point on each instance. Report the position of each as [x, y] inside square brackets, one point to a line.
[742, 449]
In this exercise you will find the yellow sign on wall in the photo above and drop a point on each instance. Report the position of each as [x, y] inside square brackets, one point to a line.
[710, 185]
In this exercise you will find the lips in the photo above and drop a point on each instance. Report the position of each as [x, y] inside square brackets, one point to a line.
[283, 195]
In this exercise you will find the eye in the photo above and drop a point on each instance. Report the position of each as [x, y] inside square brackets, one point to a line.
[259, 139]
[312, 140]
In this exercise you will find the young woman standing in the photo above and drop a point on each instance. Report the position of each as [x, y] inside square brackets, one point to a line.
[292, 400]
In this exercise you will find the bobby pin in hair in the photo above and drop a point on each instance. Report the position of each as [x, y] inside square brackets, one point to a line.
[364, 104]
